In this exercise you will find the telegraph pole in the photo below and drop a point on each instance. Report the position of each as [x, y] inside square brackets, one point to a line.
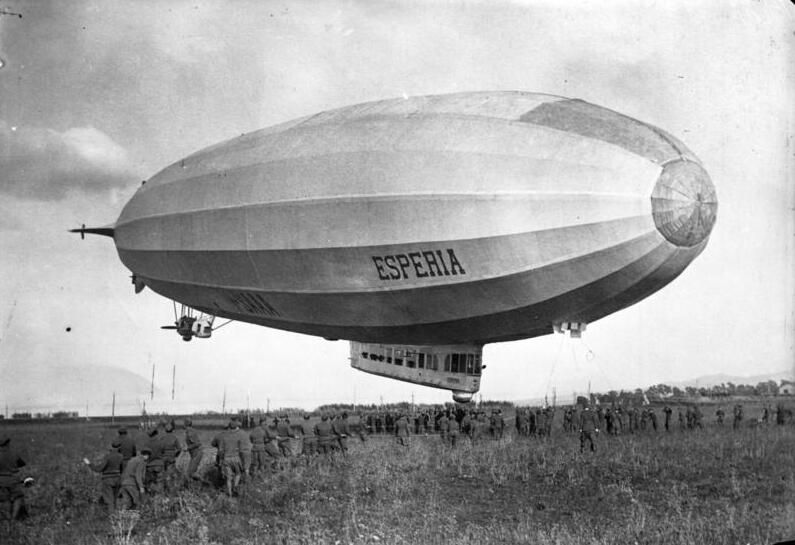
[113, 410]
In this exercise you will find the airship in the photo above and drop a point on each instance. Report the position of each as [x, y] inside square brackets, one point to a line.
[421, 229]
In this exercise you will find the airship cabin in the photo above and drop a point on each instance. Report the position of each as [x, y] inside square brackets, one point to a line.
[454, 367]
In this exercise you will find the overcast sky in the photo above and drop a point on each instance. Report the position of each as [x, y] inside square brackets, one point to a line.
[97, 96]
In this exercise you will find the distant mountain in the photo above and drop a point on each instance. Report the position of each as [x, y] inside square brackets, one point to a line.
[707, 381]
[72, 388]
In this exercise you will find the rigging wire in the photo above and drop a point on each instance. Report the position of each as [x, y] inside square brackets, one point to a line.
[555, 362]
[222, 325]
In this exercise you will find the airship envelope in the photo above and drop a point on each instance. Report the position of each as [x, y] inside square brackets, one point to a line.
[458, 219]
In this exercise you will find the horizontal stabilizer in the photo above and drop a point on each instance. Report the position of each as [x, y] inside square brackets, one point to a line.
[106, 231]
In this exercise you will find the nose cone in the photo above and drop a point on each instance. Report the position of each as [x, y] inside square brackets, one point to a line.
[684, 204]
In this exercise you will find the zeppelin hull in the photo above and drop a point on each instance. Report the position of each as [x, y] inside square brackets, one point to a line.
[471, 218]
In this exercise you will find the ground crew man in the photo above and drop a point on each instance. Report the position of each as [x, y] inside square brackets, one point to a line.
[325, 435]
[218, 444]
[454, 431]
[667, 411]
[444, 427]
[466, 424]
[308, 438]
[738, 416]
[362, 430]
[245, 455]
[720, 414]
[285, 434]
[110, 468]
[132, 480]
[589, 426]
[127, 446]
[11, 485]
[194, 445]
[154, 465]
[272, 442]
[231, 466]
[171, 449]
[402, 430]
[342, 430]
[499, 425]
[653, 418]
[257, 437]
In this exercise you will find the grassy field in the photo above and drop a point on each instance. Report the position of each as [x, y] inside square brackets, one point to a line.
[694, 487]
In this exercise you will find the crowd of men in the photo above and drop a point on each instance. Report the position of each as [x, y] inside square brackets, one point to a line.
[134, 468]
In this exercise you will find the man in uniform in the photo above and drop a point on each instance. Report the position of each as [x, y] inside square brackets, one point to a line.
[444, 427]
[308, 439]
[325, 435]
[285, 434]
[402, 430]
[231, 466]
[127, 446]
[194, 445]
[499, 425]
[738, 416]
[110, 468]
[154, 465]
[667, 411]
[342, 431]
[466, 424]
[541, 422]
[454, 431]
[132, 480]
[11, 487]
[257, 437]
[720, 414]
[171, 449]
[245, 454]
[589, 427]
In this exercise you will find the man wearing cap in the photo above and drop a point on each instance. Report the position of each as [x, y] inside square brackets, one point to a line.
[308, 439]
[257, 437]
[132, 480]
[171, 450]
[110, 468]
[231, 466]
[154, 465]
[285, 434]
[10, 484]
[194, 445]
[245, 454]
[402, 430]
[589, 426]
[127, 447]
[325, 435]
[342, 431]
[453, 430]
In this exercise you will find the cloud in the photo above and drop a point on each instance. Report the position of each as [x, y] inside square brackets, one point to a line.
[45, 164]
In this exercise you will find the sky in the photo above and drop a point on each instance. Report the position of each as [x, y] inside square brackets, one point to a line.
[96, 97]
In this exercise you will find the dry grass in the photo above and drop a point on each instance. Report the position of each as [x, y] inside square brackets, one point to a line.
[709, 486]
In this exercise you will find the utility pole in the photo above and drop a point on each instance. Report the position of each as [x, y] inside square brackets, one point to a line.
[152, 385]
[223, 403]
[173, 380]
[113, 410]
